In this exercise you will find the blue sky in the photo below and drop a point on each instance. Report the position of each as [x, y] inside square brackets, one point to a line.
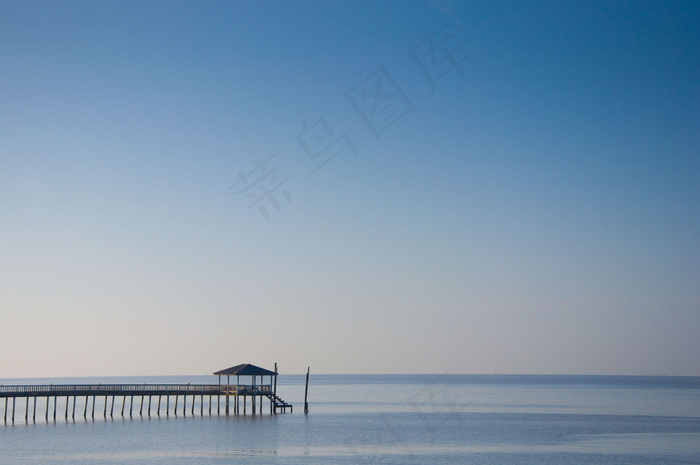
[528, 207]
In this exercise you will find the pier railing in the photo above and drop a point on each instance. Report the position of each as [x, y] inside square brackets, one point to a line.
[47, 390]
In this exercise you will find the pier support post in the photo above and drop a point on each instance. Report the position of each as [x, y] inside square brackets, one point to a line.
[141, 409]
[149, 406]
[167, 406]
[131, 406]
[274, 390]
[123, 405]
[55, 401]
[111, 410]
[227, 396]
[184, 405]
[306, 392]
[105, 407]
[67, 406]
[218, 404]
[34, 411]
[159, 405]
[209, 404]
[26, 410]
[48, 399]
[7, 399]
[74, 397]
[176, 404]
[13, 409]
[85, 411]
[93, 407]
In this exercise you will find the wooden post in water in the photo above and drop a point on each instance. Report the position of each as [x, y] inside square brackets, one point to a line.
[274, 392]
[306, 391]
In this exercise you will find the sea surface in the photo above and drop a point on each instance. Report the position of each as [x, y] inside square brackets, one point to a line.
[382, 419]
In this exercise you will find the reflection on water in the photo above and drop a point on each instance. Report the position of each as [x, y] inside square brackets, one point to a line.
[414, 420]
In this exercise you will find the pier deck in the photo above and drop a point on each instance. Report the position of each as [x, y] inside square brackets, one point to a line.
[238, 393]
[62, 390]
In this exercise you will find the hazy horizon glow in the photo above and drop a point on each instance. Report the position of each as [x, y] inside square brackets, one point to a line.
[460, 187]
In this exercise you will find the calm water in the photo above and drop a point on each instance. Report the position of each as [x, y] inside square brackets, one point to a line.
[427, 419]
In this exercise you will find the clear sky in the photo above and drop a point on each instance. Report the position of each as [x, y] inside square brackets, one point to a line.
[362, 187]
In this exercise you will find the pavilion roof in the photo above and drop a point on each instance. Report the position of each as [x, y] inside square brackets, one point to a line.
[245, 369]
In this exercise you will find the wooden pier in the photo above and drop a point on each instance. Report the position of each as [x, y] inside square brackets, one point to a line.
[233, 396]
